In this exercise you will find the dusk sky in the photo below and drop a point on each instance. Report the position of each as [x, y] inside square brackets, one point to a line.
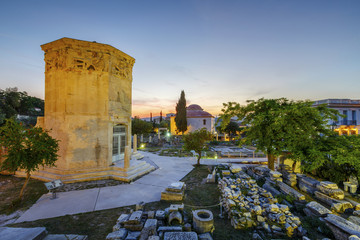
[216, 51]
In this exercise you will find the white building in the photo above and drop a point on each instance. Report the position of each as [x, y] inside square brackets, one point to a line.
[197, 118]
[349, 123]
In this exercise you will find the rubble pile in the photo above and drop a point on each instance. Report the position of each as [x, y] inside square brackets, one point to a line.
[171, 223]
[248, 205]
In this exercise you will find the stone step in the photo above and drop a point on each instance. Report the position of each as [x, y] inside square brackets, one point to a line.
[8, 233]
[117, 173]
[65, 237]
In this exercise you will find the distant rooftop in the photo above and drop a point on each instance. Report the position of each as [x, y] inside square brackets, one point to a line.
[338, 102]
[195, 111]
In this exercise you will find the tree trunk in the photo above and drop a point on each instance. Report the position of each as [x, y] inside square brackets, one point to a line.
[23, 187]
[271, 161]
[198, 160]
[294, 166]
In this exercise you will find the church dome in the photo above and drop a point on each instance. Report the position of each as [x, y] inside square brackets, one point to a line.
[194, 107]
[195, 111]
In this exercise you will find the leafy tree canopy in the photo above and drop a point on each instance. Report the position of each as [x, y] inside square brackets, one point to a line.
[13, 102]
[232, 128]
[277, 125]
[26, 149]
[334, 157]
[197, 141]
[139, 126]
[180, 118]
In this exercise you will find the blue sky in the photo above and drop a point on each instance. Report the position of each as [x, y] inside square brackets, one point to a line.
[217, 51]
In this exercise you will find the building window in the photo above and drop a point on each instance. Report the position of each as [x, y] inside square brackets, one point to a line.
[204, 121]
[119, 142]
[353, 117]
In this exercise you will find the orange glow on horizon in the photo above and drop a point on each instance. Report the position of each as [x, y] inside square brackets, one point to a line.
[145, 112]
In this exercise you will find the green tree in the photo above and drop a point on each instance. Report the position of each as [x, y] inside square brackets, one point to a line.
[13, 102]
[277, 125]
[27, 149]
[180, 118]
[197, 141]
[232, 128]
[334, 157]
[139, 126]
[10, 101]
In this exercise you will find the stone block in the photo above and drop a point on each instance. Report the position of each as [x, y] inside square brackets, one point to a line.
[176, 187]
[210, 178]
[235, 168]
[180, 236]
[172, 196]
[117, 235]
[317, 209]
[176, 207]
[329, 185]
[154, 238]
[64, 237]
[225, 172]
[306, 188]
[354, 219]
[134, 227]
[133, 235]
[9, 233]
[151, 214]
[289, 190]
[341, 228]
[116, 227]
[123, 218]
[187, 227]
[135, 218]
[356, 213]
[271, 189]
[260, 218]
[275, 174]
[308, 181]
[290, 183]
[350, 187]
[273, 208]
[170, 229]
[205, 236]
[334, 193]
[148, 229]
[336, 205]
[160, 215]
[257, 210]
[355, 204]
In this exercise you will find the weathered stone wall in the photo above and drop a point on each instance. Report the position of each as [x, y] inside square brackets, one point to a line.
[87, 92]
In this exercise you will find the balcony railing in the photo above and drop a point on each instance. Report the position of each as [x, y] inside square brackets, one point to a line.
[346, 122]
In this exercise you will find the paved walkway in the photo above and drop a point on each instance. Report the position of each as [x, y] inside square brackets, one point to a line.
[147, 189]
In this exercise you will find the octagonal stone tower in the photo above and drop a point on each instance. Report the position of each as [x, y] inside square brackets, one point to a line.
[88, 108]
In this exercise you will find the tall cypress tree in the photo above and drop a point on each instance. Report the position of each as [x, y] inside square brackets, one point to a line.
[180, 119]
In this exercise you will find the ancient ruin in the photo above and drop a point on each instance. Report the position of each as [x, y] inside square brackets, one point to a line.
[88, 89]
